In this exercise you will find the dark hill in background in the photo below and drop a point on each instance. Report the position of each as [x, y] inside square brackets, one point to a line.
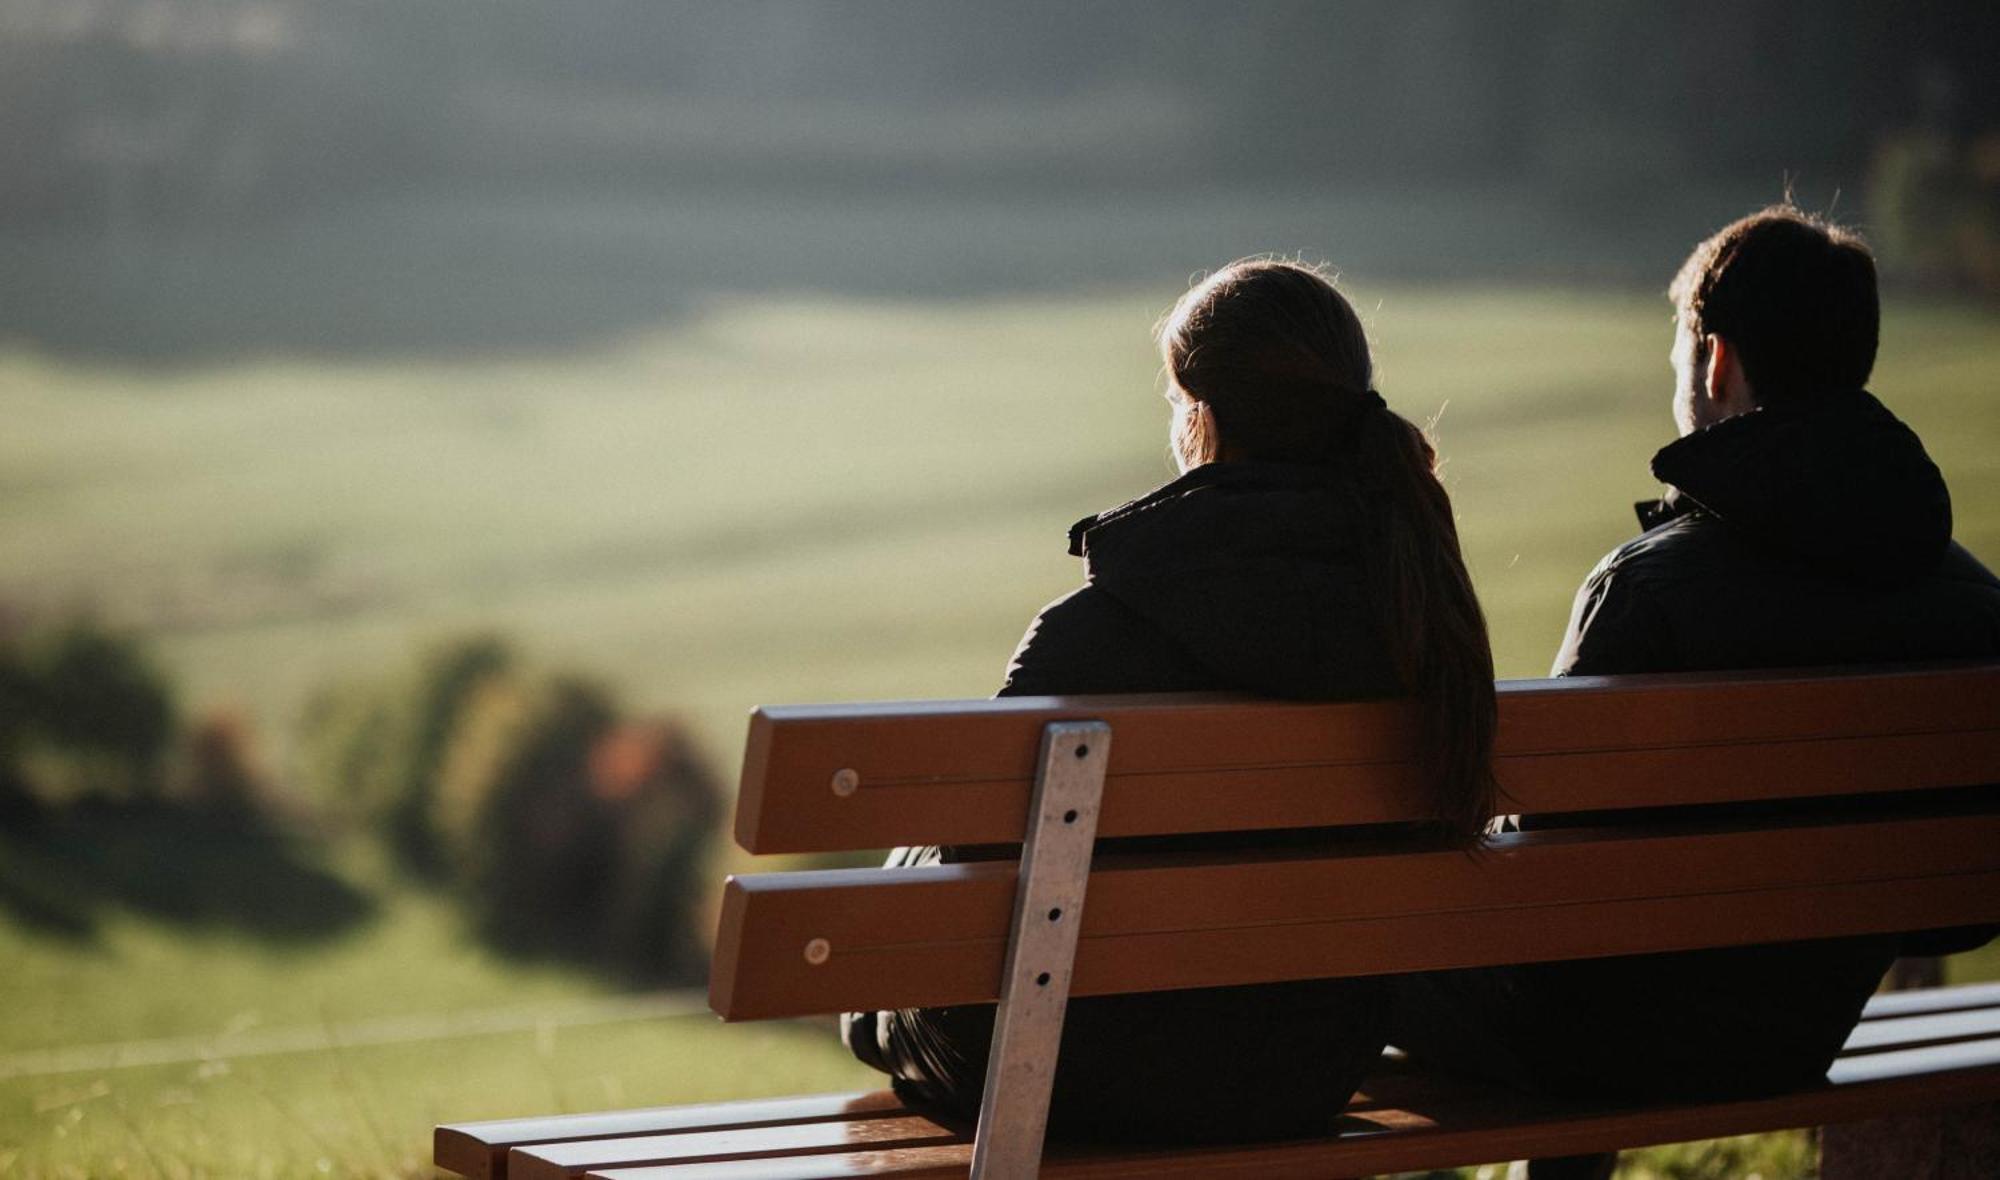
[188, 178]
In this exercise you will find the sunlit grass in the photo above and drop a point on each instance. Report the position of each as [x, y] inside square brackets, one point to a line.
[776, 500]
[224, 1107]
[804, 499]
[369, 1110]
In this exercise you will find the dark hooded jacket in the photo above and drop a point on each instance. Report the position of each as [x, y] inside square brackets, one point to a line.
[1236, 576]
[1241, 577]
[1815, 533]
[1792, 536]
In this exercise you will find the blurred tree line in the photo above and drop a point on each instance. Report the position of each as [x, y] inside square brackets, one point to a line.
[83, 711]
[563, 827]
[134, 112]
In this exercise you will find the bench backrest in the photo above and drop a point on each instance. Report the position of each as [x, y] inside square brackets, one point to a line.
[843, 777]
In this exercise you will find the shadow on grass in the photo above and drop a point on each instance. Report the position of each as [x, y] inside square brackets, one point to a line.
[196, 867]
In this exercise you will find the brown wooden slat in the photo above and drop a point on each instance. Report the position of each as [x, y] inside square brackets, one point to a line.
[478, 1150]
[954, 1160]
[559, 1161]
[1932, 999]
[1931, 1028]
[930, 936]
[1875, 1067]
[1401, 1100]
[1469, 1126]
[959, 772]
[1391, 1098]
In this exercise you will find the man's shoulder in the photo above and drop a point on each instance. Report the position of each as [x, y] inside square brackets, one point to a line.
[1694, 594]
[1690, 545]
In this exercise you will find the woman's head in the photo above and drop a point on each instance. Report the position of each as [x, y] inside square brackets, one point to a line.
[1267, 362]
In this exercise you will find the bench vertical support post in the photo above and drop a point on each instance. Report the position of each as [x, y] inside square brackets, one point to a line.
[1041, 949]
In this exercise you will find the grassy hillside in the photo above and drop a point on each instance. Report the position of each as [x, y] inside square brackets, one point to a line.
[759, 501]
[184, 1035]
[801, 500]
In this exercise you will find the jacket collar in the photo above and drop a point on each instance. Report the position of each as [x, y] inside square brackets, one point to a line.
[1665, 510]
[1253, 477]
[1834, 480]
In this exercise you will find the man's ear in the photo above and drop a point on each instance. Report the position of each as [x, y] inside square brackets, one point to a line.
[1725, 383]
[1721, 358]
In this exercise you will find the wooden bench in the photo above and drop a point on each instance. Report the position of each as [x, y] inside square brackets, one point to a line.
[1061, 771]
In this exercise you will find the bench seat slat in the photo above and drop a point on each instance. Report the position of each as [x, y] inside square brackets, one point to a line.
[1469, 1127]
[960, 772]
[1970, 1056]
[1399, 1109]
[922, 1162]
[558, 1161]
[1898, 1032]
[933, 936]
[479, 1149]
[1932, 999]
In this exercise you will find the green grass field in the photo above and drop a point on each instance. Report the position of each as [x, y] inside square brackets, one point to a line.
[764, 501]
[801, 501]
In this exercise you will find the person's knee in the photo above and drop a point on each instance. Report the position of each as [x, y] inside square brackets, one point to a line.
[860, 1032]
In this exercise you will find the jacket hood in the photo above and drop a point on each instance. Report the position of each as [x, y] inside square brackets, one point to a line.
[1836, 481]
[1252, 568]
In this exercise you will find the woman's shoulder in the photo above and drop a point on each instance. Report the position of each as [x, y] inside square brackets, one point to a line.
[1088, 641]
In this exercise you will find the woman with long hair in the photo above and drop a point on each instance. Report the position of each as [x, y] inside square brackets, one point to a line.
[1306, 551]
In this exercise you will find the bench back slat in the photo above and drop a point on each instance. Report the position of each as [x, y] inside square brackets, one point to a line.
[933, 936]
[961, 772]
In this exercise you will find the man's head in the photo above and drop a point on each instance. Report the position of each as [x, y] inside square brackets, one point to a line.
[1776, 307]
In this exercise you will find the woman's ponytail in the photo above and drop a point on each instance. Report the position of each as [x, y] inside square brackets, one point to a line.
[1430, 618]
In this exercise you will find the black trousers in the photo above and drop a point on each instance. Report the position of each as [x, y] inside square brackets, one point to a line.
[1268, 1061]
[1724, 1023]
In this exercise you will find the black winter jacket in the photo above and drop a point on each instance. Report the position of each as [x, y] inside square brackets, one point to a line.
[1792, 536]
[1236, 576]
[1240, 576]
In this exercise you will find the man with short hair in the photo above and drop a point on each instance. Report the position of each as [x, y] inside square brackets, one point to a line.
[1803, 525]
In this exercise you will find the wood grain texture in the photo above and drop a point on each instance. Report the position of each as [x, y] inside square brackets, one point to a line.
[959, 772]
[558, 1161]
[1402, 1119]
[1457, 1127]
[479, 1150]
[936, 935]
[1963, 998]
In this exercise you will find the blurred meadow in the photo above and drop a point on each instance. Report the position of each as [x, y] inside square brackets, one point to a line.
[806, 498]
[358, 422]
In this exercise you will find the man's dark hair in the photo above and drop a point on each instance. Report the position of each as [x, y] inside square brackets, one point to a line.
[1794, 293]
